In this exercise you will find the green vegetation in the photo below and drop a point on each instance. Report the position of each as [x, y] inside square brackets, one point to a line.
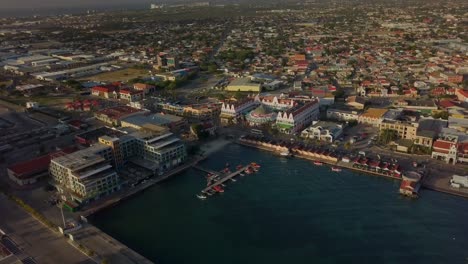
[443, 115]
[420, 150]
[387, 136]
[197, 129]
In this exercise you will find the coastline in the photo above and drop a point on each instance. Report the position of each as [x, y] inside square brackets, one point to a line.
[424, 183]
[340, 164]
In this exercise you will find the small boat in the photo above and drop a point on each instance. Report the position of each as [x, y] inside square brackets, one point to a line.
[201, 196]
[336, 169]
[285, 154]
[255, 165]
[233, 180]
[218, 188]
[318, 163]
[241, 174]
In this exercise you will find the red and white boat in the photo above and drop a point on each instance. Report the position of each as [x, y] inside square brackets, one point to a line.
[318, 163]
[336, 169]
[218, 188]
[255, 165]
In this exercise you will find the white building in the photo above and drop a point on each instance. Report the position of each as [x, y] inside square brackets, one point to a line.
[231, 111]
[296, 119]
[342, 115]
[85, 175]
[324, 131]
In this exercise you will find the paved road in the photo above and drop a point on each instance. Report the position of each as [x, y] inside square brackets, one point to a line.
[36, 240]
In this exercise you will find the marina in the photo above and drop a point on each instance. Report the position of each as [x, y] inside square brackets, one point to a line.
[216, 180]
[312, 213]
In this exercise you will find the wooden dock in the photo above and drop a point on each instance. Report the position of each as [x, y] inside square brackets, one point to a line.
[225, 178]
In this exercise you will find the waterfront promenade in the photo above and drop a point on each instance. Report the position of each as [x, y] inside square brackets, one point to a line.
[436, 179]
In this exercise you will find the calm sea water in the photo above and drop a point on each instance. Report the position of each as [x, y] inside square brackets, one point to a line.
[289, 212]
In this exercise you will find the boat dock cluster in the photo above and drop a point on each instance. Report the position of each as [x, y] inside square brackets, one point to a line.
[215, 180]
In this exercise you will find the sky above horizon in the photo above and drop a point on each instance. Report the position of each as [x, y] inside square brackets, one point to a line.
[66, 3]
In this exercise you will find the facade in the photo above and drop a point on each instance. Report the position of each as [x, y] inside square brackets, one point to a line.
[373, 116]
[342, 115]
[131, 95]
[405, 130]
[158, 152]
[324, 131]
[85, 175]
[231, 111]
[296, 119]
[275, 102]
[446, 150]
[424, 138]
[104, 91]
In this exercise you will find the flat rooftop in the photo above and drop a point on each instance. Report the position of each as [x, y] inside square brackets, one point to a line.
[82, 158]
[118, 112]
[94, 135]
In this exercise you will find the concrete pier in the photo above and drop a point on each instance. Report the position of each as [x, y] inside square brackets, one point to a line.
[225, 178]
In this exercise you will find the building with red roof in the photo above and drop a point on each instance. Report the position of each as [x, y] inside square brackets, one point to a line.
[131, 95]
[113, 115]
[29, 172]
[446, 150]
[106, 91]
[462, 95]
[146, 88]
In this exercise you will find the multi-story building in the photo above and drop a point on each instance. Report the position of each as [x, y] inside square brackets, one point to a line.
[342, 114]
[297, 118]
[231, 111]
[85, 175]
[405, 130]
[275, 102]
[131, 95]
[158, 152]
[373, 116]
[325, 131]
[166, 61]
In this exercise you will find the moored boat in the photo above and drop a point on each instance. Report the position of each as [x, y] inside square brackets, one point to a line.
[201, 196]
[336, 169]
[318, 163]
[218, 188]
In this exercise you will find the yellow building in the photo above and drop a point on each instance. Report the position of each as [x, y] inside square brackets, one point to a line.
[243, 85]
[405, 130]
[372, 116]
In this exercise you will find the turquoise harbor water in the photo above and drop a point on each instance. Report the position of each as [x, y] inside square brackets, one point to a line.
[289, 212]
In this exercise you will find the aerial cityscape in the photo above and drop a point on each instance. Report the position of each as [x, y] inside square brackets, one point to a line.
[299, 131]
